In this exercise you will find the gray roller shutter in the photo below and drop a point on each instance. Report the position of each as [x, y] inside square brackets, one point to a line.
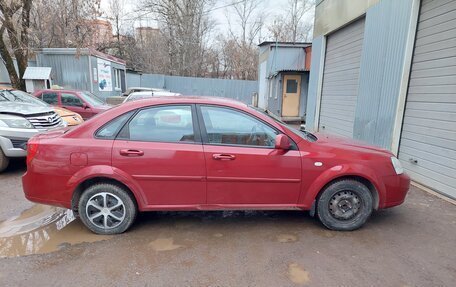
[428, 140]
[340, 79]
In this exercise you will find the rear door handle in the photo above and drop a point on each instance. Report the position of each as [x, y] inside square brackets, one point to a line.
[220, 156]
[131, 152]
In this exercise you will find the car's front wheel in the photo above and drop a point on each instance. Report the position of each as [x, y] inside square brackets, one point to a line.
[4, 161]
[106, 209]
[345, 205]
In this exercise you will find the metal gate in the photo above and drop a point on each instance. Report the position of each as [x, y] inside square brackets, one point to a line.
[428, 140]
[340, 79]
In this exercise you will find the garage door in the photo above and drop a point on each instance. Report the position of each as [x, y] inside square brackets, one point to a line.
[428, 141]
[340, 79]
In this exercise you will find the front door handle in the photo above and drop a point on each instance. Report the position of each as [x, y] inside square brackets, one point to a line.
[220, 156]
[131, 152]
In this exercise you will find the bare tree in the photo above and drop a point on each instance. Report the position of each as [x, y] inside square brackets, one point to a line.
[14, 38]
[297, 9]
[291, 27]
[247, 19]
[239, 51]
[63, 23]
[185, 25]
[116, 14]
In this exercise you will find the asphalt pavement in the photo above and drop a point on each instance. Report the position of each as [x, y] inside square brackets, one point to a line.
[410, 245]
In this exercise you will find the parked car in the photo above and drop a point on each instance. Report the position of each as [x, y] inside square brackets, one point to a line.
[19, 121]
[82, 102]
[71, 118]
[146, 155]
[148, 94]
[142, 89]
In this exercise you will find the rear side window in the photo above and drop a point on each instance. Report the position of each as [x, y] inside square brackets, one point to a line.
[161, 124]
[110, 130]
[50, 98]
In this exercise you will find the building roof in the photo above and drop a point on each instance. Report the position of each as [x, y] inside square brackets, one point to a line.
[290, 44]
[37, 73]
[292, 70]
[81, 51]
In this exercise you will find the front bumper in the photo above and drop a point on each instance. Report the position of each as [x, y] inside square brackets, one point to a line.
[396, 187]
[13, 141]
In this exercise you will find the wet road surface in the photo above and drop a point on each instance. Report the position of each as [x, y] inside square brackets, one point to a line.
[411, 245]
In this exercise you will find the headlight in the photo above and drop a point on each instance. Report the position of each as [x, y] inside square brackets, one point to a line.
[15, 122]
[397, 165]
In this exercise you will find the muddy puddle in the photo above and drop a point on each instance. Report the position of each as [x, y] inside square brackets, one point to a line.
[42, 229]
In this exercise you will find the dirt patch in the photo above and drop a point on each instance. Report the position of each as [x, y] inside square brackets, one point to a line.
[285, 238]
[164, 244]
[297, 274]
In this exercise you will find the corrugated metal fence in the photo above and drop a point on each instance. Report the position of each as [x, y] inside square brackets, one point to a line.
[234, 89]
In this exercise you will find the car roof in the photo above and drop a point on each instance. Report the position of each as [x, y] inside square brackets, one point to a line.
[89, 127]
[157, 100]
[61, 90]
[151, 93]
[145, 89]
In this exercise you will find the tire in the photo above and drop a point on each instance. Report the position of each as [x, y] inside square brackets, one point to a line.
[345, 205]
[107, 219]
[4, 161]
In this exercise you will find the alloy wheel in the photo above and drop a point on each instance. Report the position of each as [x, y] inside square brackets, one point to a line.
[105, 210]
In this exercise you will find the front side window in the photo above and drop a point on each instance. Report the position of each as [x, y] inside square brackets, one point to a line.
[70, 100]
[230, 127]
[50, 98]
[161, 124]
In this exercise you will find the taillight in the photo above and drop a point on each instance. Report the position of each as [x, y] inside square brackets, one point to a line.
[32, 150]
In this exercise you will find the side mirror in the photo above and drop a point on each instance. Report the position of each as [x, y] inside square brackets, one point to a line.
[282, 142]
[85, 106]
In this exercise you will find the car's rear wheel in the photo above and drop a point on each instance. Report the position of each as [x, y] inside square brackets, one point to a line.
[4, 161]
[345, 205]
[106, 208]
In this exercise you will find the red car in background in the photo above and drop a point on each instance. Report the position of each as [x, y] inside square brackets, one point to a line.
[192, 153]
[82, 102]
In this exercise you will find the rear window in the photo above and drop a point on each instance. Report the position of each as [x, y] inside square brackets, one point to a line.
[110, 130]
[161, 124]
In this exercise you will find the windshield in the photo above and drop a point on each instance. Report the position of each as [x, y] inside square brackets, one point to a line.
[301, 133]
[92, 99]
[19, 96]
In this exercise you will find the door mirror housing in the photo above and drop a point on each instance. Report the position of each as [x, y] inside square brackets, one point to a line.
[282, 142]
[85, 106]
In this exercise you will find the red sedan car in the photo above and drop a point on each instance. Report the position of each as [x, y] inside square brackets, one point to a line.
[192, 153]
[82, 102]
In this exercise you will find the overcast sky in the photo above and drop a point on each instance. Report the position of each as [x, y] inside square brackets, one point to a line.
[269, 8]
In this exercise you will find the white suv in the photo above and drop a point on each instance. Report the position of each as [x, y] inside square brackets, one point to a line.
[19, 122]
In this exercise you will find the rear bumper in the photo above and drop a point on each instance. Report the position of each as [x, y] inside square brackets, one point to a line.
[45, 191]
[396, 188]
